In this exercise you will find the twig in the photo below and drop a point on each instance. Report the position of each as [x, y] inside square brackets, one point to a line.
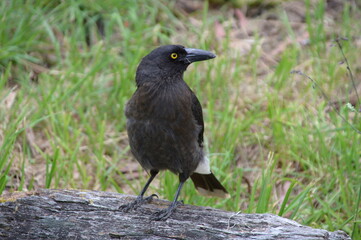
[315, 84]
[337, 40]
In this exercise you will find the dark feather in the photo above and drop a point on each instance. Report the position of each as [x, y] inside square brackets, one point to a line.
[208, 184]
[198, 115]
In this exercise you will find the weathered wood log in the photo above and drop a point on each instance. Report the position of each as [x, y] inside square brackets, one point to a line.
[70, 214]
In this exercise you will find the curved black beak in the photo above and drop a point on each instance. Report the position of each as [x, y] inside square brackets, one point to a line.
[195, 55]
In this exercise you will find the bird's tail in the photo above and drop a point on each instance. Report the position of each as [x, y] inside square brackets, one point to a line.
[208, 185]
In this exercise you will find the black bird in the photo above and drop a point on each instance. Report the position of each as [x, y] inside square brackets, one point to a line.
[165, 124]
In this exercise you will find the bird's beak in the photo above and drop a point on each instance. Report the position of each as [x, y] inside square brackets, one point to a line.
[195, 55]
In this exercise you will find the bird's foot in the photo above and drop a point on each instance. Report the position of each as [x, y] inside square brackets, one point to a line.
[137, 203]
[164, 214]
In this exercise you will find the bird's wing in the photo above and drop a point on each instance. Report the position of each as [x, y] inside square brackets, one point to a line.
[198, 115]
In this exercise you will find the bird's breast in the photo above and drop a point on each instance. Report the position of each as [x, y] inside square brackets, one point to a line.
[168, 102]
[162, 114]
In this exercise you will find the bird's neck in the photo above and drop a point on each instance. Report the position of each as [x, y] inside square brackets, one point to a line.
[164, 100]
[158, 87]
[158, 77]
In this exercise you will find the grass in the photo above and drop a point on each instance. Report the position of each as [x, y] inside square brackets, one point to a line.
[63, 87]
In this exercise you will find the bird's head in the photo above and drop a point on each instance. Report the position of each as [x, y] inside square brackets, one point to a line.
[169, 61]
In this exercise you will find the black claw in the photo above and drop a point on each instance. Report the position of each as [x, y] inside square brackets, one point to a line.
[164, 214]
[129, 206]
[150, 198]
[133, 205]
[136, 203]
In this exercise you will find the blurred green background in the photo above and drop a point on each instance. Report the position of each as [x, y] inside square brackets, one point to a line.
[275, 141]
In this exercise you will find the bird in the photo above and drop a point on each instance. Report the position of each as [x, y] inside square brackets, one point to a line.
[165, 125]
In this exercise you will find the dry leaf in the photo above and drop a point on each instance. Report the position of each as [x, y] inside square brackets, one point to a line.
[10, 99]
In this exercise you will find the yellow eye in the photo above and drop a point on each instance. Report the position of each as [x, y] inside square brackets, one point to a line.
[174, 55]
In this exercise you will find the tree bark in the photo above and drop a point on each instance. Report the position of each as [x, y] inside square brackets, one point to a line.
[70, 214]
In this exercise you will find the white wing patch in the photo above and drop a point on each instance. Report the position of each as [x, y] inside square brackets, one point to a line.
[203, 166]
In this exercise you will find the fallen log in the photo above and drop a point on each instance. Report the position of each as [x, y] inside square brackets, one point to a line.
[71, 214]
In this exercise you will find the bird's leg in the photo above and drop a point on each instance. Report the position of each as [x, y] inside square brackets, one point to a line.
[140, 199]
[164, 214]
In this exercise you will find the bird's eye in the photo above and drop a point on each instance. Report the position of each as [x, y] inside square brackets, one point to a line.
[174, 55]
